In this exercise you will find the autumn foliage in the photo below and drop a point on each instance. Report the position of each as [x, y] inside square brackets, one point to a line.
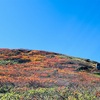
[27, 69]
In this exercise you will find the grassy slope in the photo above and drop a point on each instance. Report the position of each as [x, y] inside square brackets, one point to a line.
[28, 74]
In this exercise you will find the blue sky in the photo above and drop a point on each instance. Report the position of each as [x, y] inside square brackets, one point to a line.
[71, 27]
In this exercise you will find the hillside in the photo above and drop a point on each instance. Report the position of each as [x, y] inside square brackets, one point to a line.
[41, 75]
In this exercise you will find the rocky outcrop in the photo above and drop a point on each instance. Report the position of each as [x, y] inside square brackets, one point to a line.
[98, 66]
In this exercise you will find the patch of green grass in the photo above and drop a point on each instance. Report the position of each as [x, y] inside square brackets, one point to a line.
[49, 94]
[97, 74]
[13, 61]
[5, 62]
[10, 96]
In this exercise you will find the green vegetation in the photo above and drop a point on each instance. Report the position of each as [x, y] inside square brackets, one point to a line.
[97, 74]
[10, 96]
[63, 93]
[5, 62]
[13, 61]
[6, 87]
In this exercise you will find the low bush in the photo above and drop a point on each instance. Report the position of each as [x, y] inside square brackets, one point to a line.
[13, 61]
[56, 93]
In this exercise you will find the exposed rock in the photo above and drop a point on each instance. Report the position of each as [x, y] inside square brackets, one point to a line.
[98, 66]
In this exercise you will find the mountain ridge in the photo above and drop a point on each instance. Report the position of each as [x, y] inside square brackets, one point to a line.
[40, 51]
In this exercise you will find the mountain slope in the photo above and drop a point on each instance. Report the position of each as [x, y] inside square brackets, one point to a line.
[32, 69]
